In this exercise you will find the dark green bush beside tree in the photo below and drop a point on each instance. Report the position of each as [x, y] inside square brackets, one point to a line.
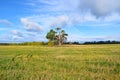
[50, 35]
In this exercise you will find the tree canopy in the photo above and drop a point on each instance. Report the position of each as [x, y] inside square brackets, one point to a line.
[50, 35]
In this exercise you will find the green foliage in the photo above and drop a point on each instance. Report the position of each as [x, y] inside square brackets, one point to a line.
[50, 35]
[81, 62]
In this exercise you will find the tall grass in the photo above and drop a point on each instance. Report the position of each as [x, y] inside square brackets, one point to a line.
[84, 62]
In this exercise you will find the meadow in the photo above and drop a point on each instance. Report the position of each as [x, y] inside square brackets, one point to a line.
[83, 62]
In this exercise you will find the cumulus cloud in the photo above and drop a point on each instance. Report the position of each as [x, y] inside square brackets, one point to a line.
[100, 7]
[48, 21]
[6, 22]
[30, 25]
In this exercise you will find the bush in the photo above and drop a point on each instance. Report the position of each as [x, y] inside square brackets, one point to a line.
[50, 43]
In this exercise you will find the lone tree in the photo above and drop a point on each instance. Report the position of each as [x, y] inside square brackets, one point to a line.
[58, 36]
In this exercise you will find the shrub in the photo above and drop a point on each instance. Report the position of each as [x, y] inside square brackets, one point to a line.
[50, 43]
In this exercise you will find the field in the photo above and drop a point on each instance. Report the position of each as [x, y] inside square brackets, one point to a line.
[83, 62]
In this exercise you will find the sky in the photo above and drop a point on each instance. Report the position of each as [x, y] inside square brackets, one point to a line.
[83, 20]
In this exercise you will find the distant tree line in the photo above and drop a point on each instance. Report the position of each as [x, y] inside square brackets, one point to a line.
[4, 43]
[103, 42]
[95, 42]
[26, 43]
[68, 43]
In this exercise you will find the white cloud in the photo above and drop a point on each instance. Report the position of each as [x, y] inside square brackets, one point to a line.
[100, 7]
[17, 34]
[53, 5]
[113, 17]
[38, 23]
[6, 22]
[45, 22]
[78, 11]
[60, 21]
[16, 37]
[30, 25]
[96, 7]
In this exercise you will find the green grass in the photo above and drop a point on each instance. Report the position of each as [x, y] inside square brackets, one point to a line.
[84, 62]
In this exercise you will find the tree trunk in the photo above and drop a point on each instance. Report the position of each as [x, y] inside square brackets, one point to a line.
[59, 42]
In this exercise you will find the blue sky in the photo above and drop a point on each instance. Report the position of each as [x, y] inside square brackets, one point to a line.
[83, 20]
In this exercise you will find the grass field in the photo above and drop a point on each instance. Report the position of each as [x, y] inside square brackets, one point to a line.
[84, 62]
